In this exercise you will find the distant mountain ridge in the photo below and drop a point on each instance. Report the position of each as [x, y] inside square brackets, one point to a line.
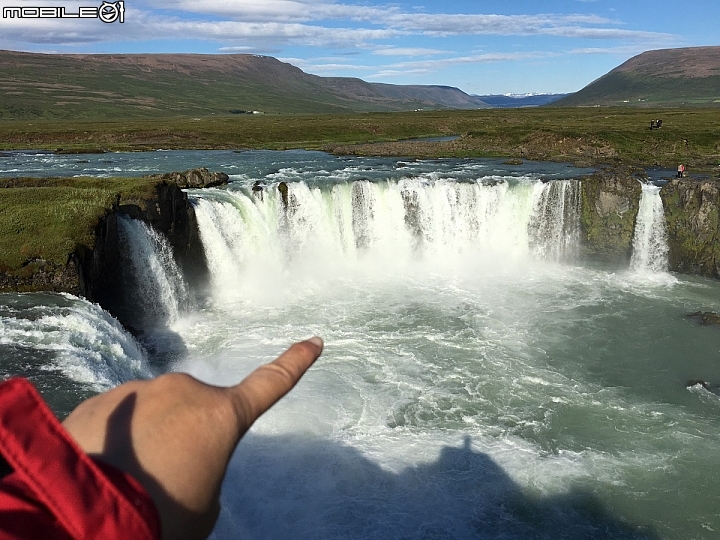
[132, 85]
[521, 100]
[664, 77]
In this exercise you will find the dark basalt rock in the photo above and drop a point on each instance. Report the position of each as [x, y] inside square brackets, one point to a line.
[257, 190]
[692, 217]
[194, 178]
[705, 318]
[100, 269]
[283, 189]
[39, 275]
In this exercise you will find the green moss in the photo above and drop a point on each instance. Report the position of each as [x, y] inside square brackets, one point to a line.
[692, 216]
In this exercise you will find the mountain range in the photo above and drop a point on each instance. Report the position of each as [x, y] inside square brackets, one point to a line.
[77, 86]
[141, 85]
[511, 101]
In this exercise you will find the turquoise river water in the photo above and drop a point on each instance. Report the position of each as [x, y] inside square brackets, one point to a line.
[480, 380]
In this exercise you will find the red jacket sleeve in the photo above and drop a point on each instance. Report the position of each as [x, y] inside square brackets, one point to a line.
[55, 490]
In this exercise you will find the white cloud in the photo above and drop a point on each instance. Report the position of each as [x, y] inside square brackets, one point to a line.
[277, 10]
[473, 59]
[390, 73]
[408, 51]
[625, 50]
[320, 68]
[272, 25]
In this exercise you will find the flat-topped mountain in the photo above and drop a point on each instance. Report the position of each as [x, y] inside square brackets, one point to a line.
[666, 77]
[132, 85]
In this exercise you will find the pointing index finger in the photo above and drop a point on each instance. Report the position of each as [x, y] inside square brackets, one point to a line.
[267, 384]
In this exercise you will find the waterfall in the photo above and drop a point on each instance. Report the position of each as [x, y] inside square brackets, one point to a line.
[650, 248]
[157, 281]
[555, 227]
[251, 239]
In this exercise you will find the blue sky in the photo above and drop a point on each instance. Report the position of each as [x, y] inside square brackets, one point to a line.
[482, 47]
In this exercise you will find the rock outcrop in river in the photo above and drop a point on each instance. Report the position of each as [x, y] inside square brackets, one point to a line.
[610, 202]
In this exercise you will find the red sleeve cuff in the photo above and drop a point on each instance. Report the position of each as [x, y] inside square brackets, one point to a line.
[55, 489]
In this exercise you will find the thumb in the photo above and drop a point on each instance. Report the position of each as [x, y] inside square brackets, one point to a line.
[267, 384]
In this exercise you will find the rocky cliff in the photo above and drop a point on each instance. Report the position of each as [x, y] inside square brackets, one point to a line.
[100, 269]
[94, 268]
[692, 215]
[610, 202]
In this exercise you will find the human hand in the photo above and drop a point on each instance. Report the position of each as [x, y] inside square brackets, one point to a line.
[176, 435]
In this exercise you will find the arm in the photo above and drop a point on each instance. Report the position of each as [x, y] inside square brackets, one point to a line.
[176, 435]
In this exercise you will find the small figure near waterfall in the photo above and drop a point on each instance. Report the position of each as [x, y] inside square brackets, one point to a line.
[681, 171]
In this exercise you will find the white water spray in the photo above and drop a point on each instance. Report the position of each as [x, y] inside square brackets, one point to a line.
[253, 238]
[650, 248]
[161, 291]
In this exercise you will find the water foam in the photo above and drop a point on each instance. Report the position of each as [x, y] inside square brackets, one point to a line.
[89, 346]
[263, 241]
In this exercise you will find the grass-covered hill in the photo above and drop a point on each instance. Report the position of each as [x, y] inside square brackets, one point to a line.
[661, 78]
[161, 85]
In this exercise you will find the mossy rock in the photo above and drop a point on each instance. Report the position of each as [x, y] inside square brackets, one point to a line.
[692, 216]
[610, 203]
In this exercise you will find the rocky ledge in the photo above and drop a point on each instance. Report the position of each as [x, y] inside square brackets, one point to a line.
[692, 216]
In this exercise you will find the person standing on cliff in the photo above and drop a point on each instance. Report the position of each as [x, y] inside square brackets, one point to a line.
[681, 171]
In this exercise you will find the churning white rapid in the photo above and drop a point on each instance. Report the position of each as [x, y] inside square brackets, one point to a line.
[157, 278]
[85, 343]
[650, 248]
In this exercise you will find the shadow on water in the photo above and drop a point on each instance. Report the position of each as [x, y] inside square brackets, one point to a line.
[163, 347]
[292, 487]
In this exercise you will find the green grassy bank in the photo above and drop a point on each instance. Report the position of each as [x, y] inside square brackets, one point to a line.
[593, 135]
[42, 221]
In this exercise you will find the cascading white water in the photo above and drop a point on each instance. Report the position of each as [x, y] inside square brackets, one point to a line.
[252, 237]
[555, 227]
[161, 291]
[86, 343]
[650, 248]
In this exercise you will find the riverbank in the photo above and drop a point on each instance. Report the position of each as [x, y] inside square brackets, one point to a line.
[587, 136]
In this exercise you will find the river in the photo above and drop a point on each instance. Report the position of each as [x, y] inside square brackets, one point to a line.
[480, 379]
